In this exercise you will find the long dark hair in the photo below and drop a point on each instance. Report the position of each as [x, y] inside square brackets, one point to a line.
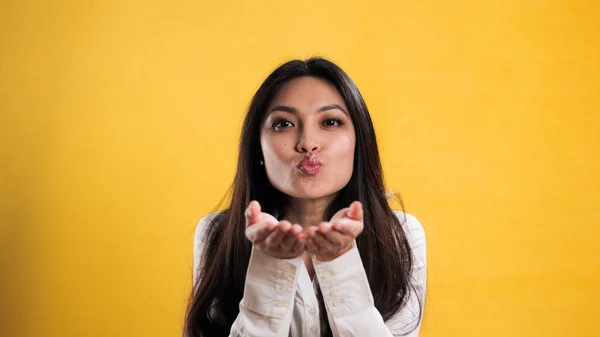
[386, 255]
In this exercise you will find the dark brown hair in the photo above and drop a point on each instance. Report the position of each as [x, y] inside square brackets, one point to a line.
[386, 255]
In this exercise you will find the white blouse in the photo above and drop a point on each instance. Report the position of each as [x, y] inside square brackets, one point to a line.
[279, 297]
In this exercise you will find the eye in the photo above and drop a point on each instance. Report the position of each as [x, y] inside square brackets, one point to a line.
[281, 123]
[332, 122]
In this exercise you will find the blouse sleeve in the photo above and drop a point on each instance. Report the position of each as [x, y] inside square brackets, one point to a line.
[267, 304]
[348, 299]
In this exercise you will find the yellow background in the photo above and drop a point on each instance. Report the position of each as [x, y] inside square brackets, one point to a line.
[119, 123]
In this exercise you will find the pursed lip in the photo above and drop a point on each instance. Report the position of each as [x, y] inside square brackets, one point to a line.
[310, 165]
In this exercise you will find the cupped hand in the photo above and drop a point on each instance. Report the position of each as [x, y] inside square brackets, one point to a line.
[279, 239]
[332, 239]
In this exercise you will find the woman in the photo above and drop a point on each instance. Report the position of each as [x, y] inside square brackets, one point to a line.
[308, 245]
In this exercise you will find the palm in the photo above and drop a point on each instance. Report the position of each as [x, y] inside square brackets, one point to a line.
[332, 239]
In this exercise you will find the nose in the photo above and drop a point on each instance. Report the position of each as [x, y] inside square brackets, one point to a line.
[308, 142]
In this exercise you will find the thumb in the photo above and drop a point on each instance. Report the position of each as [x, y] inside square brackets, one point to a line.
[252, 213]
[356, 211]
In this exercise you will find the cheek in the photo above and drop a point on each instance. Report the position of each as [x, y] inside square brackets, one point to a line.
[274, 150]
[343, 147]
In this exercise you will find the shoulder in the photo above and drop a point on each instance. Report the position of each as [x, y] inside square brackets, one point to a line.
[413, 230]
[203, 225]
[410, 224]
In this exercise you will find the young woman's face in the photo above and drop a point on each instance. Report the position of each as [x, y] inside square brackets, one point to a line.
[308, 139]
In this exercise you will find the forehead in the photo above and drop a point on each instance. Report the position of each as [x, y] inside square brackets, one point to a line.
[307, 92]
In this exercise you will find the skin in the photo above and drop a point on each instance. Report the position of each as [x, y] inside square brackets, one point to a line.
[307, 117]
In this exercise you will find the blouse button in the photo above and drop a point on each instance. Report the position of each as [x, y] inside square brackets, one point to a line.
[313, 330]
[312, 311]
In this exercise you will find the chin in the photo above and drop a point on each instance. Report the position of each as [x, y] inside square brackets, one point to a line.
[307, 195]
[302, 188]
[311, 191]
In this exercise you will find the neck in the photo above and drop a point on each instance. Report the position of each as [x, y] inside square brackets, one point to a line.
[308, 212]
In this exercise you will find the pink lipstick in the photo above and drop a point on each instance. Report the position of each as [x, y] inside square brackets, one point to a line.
[310, 165]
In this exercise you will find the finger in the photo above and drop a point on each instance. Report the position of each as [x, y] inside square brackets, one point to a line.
[324, 227]
[289, 240]
[337, 239]
[311, 247]
[274, 239]
[322, 244]
[341, 225]
[311, 231]
[300, 243]
[310, 244]
[252, 213]
[298, 231]
[340, 214]
[298, 246]
[356, 211]
[272, 224]
[348, 227]
[258, 232]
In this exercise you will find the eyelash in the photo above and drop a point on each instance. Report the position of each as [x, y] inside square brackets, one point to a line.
[337, 120]
[277, 122]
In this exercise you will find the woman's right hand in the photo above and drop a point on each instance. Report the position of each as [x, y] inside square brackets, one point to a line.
[279, 239]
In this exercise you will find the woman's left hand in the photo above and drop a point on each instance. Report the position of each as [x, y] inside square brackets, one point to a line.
[332, 239]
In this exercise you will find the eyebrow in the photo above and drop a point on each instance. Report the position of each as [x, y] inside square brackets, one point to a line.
[293, 110]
